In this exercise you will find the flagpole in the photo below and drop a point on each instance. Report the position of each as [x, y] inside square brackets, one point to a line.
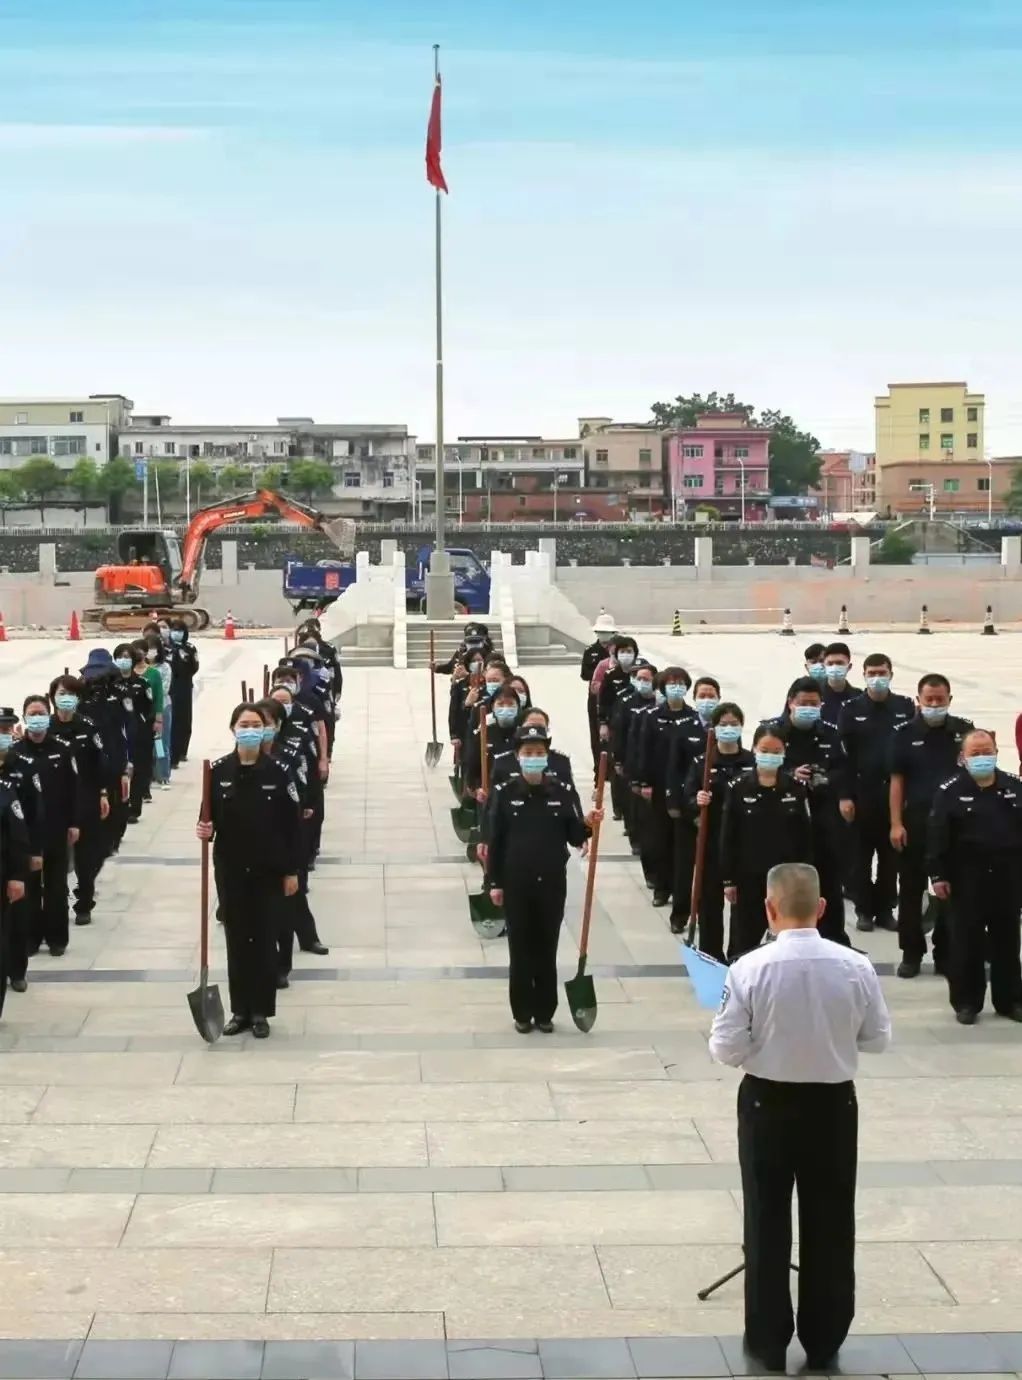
[440, 587]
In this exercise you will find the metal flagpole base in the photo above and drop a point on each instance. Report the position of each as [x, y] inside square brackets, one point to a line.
[439, 589]
[704, 1294]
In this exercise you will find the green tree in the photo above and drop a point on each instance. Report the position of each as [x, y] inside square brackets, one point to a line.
[272, 477]
[39, 478]
[1013, 499]
[202, 481]
[116, 478]
[235, 479]
[895, 549]
[84, 480]
[794, 454]
[310, 477]
[167, 474]
[10, 492]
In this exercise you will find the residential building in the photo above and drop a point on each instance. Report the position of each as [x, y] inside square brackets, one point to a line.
[930, 422]
[626, 458]
[847, 482]
[721, 462]
[502, 478]
[947, 488]
[64, 430]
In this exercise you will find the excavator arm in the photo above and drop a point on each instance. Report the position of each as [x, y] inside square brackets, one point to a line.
[247, 508]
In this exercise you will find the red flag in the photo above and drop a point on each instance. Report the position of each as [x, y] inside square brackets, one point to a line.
[434, 172]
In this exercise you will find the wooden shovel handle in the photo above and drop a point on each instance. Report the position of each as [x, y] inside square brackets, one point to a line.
[244, 692]
[594, 848]
[484, 751]
[205, 816]
[266, 682]
[432, 678]
[701, 839]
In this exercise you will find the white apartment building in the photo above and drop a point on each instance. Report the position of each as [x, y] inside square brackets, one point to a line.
[63, 430]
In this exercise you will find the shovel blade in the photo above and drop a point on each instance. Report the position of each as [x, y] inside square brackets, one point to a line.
[463, 818]
[455, 784]
[581, 995]
[471, 850]
[488, 920]
[207, 1010]
[434, 751]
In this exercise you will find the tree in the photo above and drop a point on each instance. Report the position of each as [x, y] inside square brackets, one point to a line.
[202, 480]
[272, 477]
[116, 478]
[895, 549]
[39, 478]
[311, 477]
[794, 454]
[84, 480]
[1013, 499]
[235, 479]
[10, 492]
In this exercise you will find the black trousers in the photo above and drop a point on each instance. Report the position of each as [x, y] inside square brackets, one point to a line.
[658, 845]
[141, 782]
[748, 914]
[534, 907]
[619, 795]
[804, 1136]
[180, 724]
[912, 883]
[985, 904]
[15, 930]
[682, 864]
[594, 732]
[711, 911]
[872, 839]
[116, 821]
[90, 853]
[250, 903]
[46, 898]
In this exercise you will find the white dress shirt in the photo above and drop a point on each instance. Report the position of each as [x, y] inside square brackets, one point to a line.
[800, 1010]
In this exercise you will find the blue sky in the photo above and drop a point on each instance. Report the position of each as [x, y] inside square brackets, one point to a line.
[220, 207]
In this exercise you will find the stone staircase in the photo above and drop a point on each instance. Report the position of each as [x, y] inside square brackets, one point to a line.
[447, 637]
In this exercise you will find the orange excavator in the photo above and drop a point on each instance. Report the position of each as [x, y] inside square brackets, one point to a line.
[158, 574]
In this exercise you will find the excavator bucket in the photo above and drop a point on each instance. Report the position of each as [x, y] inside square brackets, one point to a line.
[341, 532]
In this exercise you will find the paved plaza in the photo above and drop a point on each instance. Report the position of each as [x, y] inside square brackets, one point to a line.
[396, 1164]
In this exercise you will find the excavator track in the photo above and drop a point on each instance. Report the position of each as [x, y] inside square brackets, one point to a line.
[133, 620]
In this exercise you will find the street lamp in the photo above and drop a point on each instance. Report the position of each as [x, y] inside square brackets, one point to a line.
[990, 490]
[741, 466]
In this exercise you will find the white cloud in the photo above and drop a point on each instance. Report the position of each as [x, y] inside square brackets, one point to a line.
[16, 136]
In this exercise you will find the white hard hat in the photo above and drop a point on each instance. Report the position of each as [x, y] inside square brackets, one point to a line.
[604, 623]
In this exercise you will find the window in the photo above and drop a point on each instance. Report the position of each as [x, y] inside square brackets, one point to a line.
[509, 453]
[538, 453]
[947, 440]
[692, 481]
[25, 446]
[194, 452]
[424, 452]
[352, 481]
[645, 457]
[924, 416]
[76, 417]
[388, 480]
[523, 502]
[20, 418]
[947, 414]
[99, 445]
[972, 440]
[983, 485]
[741, 452]
[692, 452]
[924, 440]
[139, 448]
[601, 457]
[278, 448]
[571, 452]
[601, 481]
[951, 486]
[169, 448]
[718, 452]
[972, 414]
[69, 445]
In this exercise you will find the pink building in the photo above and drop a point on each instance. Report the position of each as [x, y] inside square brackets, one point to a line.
[712, 462]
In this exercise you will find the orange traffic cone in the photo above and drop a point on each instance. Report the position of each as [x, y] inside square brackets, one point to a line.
[3, 629]
[229, 626]
[74, 632]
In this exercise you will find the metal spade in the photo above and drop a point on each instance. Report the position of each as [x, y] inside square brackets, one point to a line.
[205, 1002]
[579, 990]
[434, 748]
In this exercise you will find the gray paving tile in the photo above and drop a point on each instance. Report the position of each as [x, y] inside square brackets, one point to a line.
[216, 1361]
[874, 1355]
[494, 1360]
[401, 1360]
[586, 1359]
[38, 1360]
[558, 1178]
[124, 1361]
[897, 1174]
[694, 1176]
[140, 1180]
[1008, 1346]
[298, 1360]
[440, 1179]
[43, 1180]
[655, 1357]
[962, 1353]
[282, 1180]
[975, 1172]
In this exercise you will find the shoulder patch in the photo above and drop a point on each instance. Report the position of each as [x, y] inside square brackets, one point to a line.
[292, 791]
[16, 810]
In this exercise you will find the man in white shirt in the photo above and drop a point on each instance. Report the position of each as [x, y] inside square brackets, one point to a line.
[794, 1016]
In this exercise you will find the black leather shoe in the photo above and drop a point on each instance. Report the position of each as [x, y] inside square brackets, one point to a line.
[523, 1027]
[58, 951]
[678, 926]
[823, 1365]
[907, 968]
[864, 922]
[318, 948]
[545, 1027]
[886, 921]
[237, 1025]
[260, 1028]
[282, 982]
[83, 917]
[966, 1016]
[770, 1360]
[1014, 1013]
[661, 898]
[19, 985]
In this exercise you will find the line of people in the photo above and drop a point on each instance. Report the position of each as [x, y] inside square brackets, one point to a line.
[77, 764]
[899, 804]
[266, 812]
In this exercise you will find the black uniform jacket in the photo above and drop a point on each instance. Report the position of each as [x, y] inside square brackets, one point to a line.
[975, 826]
[255, 814]
[532, 829]
[763, 826]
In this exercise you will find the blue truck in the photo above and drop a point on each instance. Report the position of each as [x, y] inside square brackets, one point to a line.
[317, 586]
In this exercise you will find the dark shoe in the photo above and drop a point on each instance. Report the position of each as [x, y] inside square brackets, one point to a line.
[939, 967]
[237, 1025]
[966, 1016]
[147, 800]
[678, 926]
[636, 852]
[864, 922]
[661, 898]
[59, 951]
[83, 917]
[1014, 1013]
[545, 1027]
[770, 1360]
[523, 1027]
[260, 1028]
[310, 866]
[317, 948]
[617, 817]
[282, 982]
[823, 1365]
[886, 921]
[908, 968]
[19, 985]
[32, 950]
[134, 819]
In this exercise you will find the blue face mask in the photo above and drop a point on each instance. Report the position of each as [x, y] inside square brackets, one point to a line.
[123, 663]
[817, 670]
[492, 686]
[770, 761]
[37, 723]
[933, 714]
[6, 742]
[881, 684]
[982, 766]
[533, 766]
[728, 733]
[705, 708]
[523, 698]
[626, 660]
[177, 635]
[645, 688]
[269, 734]
[675, 692]
[836, 672]
[505, 715]
[66, 703]
[805, 714]
[248, 737]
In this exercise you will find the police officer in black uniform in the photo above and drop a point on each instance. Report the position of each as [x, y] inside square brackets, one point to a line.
[296, 743]
[925, 752]
[477, 639]
[20, 786]
[684, 745]
[535, 820]
[665, 722]
[866, 724]
[503, 715]
[837, 662]
[626, 725]
[94, 781]
[597, 651]
[974, 853]
[14, 872]
[107, 707]
[184, 667]
[255, 831]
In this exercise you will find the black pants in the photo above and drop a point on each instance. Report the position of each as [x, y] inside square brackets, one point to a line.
[619, 795]
[594, 733]
[46, 898]
[985, 904]
[711, 912]
[872, 835]
[912, 882]
[534, 907]
[116, 821]
[15, 942]
[748, 914]
[90, 854]
[180, 724]
[804, 1136]
[141, 780]
[658, 845]
[250, 903]
[682, 864]
[830, 839]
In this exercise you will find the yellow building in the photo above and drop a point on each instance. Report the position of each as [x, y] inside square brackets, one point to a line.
[928, 421]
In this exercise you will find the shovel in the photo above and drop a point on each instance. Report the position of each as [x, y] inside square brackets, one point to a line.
[434, 749]
[463, 817]
[702, 838]
[206, 1005]
[487, 918]
[707, 974]
[484, 775]
[579, 990]
[266, 682]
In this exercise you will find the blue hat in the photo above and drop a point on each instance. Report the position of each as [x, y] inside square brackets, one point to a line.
[100, 663]
[533, 733]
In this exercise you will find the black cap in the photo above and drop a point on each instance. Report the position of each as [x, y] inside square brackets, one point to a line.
[8, 715]
[533, 733]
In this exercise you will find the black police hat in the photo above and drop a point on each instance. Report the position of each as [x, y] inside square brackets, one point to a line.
[533, 733]
[8, 715]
